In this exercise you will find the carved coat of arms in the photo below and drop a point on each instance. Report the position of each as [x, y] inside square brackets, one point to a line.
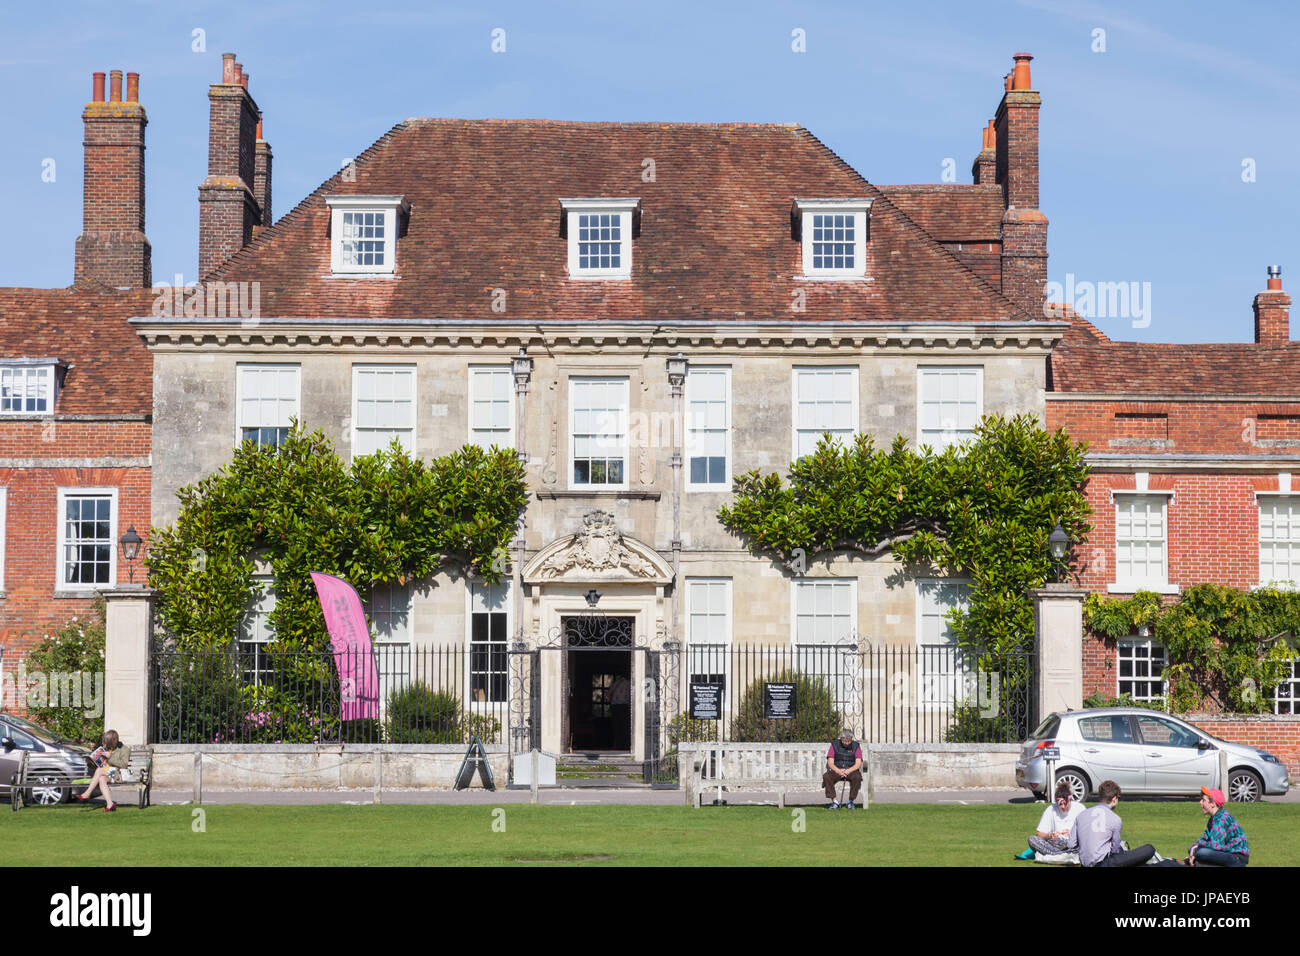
[597, 549]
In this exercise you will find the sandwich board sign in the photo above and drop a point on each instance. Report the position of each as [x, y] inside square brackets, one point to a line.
[475, 759]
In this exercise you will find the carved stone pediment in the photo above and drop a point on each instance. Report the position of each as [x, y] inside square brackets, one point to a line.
[599, 552]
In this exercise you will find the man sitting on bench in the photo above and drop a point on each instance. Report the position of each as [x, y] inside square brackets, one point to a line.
[843, 762]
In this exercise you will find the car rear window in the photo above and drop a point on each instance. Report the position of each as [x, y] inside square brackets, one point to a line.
[1112, 729]
[1047, 728]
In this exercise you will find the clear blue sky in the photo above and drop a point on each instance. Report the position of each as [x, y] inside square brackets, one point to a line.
[1142, 145]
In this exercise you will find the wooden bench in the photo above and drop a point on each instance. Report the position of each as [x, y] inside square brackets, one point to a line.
[139, 769]
[772, 768]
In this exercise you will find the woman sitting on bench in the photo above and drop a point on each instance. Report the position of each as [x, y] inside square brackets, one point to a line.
[112, 761]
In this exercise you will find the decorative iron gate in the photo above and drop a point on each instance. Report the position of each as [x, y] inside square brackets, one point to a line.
[656, 699]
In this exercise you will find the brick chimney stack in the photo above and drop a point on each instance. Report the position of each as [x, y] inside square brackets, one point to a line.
[262, 177]
[984, 169]
[112, 247]
[1273, 312]
[229, 208]
[1024, 227]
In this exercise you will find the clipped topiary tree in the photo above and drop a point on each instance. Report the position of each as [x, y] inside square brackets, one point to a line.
[418, 714]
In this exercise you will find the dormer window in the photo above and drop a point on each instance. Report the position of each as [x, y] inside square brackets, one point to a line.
[363, 234]
[29, 386]
[600, 236]
[834, 236]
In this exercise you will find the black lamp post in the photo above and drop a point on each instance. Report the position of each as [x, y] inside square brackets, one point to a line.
[130, 543]
[1058, 546]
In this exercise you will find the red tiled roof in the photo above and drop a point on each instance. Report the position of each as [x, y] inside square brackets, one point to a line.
[112, 370]
[715, 241]
[1087, 361]
[952, 212]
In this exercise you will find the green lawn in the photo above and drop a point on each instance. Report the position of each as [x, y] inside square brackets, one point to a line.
[899, 834]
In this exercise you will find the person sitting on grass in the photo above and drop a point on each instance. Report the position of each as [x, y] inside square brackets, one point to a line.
[1096, 833]
[843, 762]
[1053, 833]
[1224, 842]
[112, 758]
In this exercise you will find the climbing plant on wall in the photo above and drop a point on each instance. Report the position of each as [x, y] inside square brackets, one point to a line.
[299, 508]
[982, 511]
[1223, 646]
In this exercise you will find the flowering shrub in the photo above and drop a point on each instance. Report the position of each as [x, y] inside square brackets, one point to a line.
[72, 658]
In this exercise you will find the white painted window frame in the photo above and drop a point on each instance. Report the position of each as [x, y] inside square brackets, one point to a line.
[725, 484]
[45, 370]
[727, 643]
[1293, 500]
[1148, 644]
[856, 404]
[860, 209]
[390, 206]
[925, 698]
[473, 438]
[1294, 682]
[852, 584]
[625, 208]
[626, 449]
[61, 497]
[837, 689]
[482, 706]
[357, 370]
[239, 392]
[921, 372]
[1132, 586]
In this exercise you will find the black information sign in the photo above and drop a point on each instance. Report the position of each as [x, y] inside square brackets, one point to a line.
[475, 760]
[706, 701]
[778, 701]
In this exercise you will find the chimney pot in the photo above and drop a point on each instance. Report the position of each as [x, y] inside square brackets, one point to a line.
[133, 87]
[259, 127]
[1275, 277]
[227, 68]
[97, 94]
[243, 80]
[1006, 81]
[239, 73]
[115, 86]
[1020, 76]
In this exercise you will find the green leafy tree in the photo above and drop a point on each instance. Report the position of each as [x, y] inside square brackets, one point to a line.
[386, 517]
[299, 508]
[982, 510]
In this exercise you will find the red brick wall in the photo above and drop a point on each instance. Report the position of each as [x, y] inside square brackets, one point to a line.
[1213, 537]
[30, 608]
[1277, 735]
[1200, 428]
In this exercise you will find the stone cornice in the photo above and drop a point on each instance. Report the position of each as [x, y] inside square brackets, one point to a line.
[170, 334]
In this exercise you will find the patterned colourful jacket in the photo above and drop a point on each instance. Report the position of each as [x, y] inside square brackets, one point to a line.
[1224, 833]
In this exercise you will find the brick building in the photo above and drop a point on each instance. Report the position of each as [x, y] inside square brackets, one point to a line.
[75, 396]
[1195, 455]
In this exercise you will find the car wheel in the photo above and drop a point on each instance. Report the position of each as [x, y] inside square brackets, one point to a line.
[47, 790]
[1077, 781]
[1244, 786]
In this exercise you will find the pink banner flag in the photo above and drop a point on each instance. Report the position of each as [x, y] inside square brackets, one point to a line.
[353, 655]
